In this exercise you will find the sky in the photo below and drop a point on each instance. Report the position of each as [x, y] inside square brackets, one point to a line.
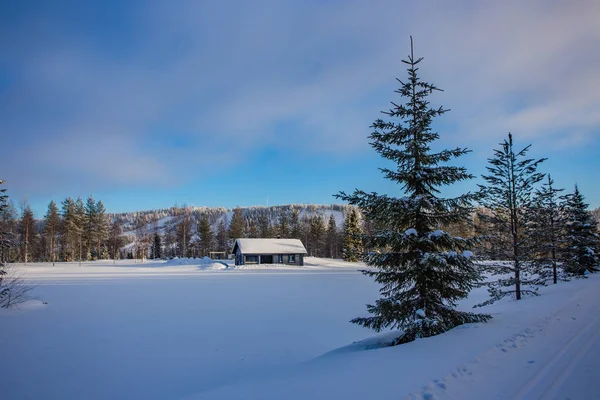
[148, 104]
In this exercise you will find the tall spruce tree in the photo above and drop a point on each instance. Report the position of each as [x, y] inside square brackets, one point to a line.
[352, 247]
[546, 228]
[508, 198]
[423, 271]
[582, 241]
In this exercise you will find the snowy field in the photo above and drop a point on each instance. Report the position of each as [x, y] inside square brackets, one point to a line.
[197, 330]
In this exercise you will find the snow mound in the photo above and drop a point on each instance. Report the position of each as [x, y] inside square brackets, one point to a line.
[204, 263]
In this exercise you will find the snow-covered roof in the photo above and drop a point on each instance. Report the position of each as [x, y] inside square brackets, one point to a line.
[269, 246]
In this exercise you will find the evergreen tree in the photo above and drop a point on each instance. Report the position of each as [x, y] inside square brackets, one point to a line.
[90, 232]
[5, 243]
[284, 225]
[8, 227]
[69, 230]
[80, 225]
[352, 248]
[101, 224]
[51, 228]
[331, 238]
[184, 233]
[582, 241]
[423, 271]
[156, 248]
[508, 197]
[316, 236]
[264, 226]
[222, 237]
[27, 233]
[206, 236]
[546, 226]
[237, 225]
[252, 229]
[295, 226]
[115, 240]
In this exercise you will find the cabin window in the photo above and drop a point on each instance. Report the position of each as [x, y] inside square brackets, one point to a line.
[280, 259]
[251, 259]
[292, 258]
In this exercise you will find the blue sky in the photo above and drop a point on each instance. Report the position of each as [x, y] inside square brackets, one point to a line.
[145, 104]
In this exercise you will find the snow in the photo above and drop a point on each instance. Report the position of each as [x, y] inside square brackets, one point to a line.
[436, 234]
[411, 232]
[270, 246]
[175, 330]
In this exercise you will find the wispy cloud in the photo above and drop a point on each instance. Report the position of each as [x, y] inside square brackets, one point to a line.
[94, 101]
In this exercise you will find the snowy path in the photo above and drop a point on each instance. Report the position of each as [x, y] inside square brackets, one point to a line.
[555, 358]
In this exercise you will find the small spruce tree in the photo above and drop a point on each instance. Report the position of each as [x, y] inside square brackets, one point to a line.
[423, 271]
[582, 242]
[508, 199]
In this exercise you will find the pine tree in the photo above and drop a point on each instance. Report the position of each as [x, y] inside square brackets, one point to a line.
[284, 225]
[68, 231]
[8, 227]
[252, 229]
[295, 226]
[331, 238]
[546, 226]
[51, 228]
[101, 225]
[184, 232]
[264, 226]
[423, 271]
[27, 233]
[222, 237]
[115, 240]
[237, 225]
[80, 225]
[90, 232]
[206, 236]
[156, 248]
[582, 241]
[316, 236]
[352, 248]
[508, 197]
[5, 243]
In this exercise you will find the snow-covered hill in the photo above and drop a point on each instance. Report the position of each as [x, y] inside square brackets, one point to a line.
[163, 219]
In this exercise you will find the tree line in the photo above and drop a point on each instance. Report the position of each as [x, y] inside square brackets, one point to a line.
[77, 231]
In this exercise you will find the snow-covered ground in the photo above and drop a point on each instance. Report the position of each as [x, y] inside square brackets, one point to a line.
[193, 330]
